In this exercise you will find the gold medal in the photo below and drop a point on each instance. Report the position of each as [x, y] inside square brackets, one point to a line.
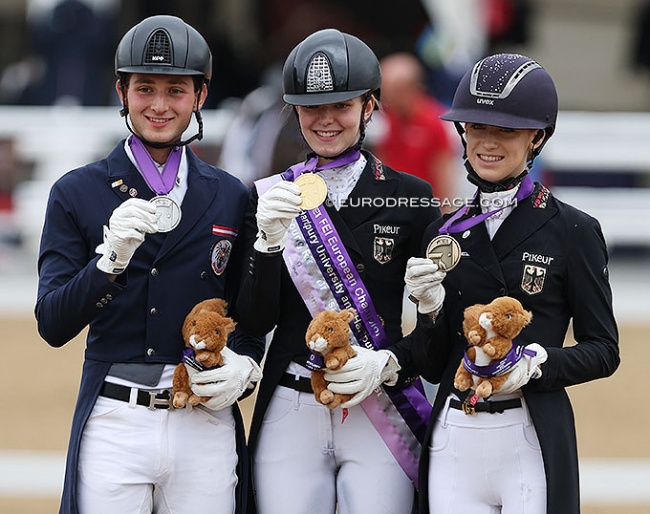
[444, 251]
[313, 190]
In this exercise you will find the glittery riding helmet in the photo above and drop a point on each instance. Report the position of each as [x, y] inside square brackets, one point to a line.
[506, 90]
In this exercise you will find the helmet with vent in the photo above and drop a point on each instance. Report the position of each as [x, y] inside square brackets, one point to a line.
[164, 45]
[506, 90]
[330, 66]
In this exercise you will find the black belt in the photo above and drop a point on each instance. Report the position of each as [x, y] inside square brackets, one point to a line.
[147, 399]
[491, 407]
[302, 384]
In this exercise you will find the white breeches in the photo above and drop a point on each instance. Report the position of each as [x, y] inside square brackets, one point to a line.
[143, 461]
[307, 461]
[486, 464]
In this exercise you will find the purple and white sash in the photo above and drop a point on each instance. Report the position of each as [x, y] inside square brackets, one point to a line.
[327, 279]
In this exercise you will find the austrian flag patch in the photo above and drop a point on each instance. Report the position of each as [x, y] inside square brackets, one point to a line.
[218, 230]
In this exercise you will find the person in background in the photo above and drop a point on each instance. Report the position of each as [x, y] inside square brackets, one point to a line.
[130, 244]
[415, 139]
[346, 249]
[515, 451]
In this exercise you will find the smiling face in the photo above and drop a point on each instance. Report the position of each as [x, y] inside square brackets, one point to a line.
[332, 128]
[161, 107]
[496, 153]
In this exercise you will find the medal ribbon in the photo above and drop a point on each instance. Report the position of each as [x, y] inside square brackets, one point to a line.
[310, 165]
[452, 225]
[500, 367]
[161, 183]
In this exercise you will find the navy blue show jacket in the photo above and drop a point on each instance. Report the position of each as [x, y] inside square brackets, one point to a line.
[137, 318]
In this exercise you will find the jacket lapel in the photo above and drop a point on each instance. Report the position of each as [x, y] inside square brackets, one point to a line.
[369, 194]
[523, 221]
[201, 189]
[123, 177]
[475, 243]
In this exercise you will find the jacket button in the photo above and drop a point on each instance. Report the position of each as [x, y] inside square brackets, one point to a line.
[360, 267]
[502, 291]
[153, 312]
[104, 301]
[109, 297]
[154, 272]
[99, 305]
[151, 352]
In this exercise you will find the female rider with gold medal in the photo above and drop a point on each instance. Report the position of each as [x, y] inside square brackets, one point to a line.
[351, 251]
[514, 452]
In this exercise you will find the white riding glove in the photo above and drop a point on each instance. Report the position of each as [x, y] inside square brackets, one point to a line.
[363, 373]
[127, 226]
[424, 284]
[528, 368]
[227, 383]
[276, 208]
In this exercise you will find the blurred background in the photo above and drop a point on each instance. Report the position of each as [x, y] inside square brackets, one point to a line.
[59, 110]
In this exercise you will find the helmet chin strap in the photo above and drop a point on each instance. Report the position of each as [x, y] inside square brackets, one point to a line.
[124, 112]
[484, 185]
[198, 135]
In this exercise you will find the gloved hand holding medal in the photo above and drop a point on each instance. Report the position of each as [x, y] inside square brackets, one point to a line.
[424, 276]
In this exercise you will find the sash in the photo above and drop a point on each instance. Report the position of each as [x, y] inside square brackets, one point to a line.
[327, 279]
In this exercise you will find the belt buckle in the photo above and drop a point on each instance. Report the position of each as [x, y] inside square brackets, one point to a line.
[469, 405]
[468, 408]
[160, 403]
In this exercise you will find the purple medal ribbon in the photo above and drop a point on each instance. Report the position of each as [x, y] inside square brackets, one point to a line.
[452, 225]
[310, 165]
[500, 367]
[160, 183]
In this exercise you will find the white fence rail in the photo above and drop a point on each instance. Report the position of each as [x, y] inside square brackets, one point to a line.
[57, 139]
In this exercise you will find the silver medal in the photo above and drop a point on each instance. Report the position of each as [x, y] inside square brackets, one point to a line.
[168, 211]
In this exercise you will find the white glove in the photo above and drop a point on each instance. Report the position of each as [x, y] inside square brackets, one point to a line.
[527, 369]
[424, 284]
[227, 383]
[276, 208]
[125, 233]
[362, 374]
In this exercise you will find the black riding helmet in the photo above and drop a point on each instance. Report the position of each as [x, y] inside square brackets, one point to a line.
[505, 90]
[164, 45]
[330, 66]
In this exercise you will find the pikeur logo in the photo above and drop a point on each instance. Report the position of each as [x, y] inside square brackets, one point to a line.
[157, 58]
[486, 101]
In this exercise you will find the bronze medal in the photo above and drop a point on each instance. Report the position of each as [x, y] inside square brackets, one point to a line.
[168, 211]
[444, 251]
[313, 190]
